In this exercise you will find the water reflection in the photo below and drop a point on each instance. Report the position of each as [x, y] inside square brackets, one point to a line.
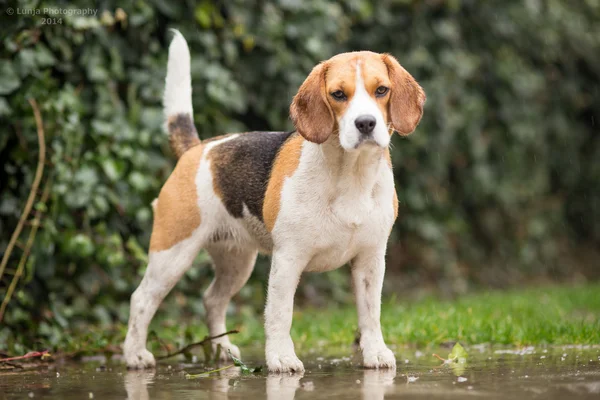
[373, 385]
[220, 385]
[136, 384]
[545, 373]
[283, 386]
[377, 382]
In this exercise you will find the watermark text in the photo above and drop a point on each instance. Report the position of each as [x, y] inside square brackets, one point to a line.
[53, 11]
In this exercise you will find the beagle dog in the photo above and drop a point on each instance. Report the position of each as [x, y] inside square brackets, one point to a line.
[315, 199]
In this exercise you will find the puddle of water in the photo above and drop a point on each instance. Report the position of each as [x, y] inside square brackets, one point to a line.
[530, 373]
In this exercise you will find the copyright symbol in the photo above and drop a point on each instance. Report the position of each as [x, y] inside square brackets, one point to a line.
[10, 11]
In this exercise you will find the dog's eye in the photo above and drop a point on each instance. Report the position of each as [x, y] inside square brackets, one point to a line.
[381, 91]
[339, 95]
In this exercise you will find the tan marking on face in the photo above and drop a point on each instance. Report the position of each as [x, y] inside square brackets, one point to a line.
[316, 114]
[374, 73]
[176, 213]
[286, 163]
[341, 75]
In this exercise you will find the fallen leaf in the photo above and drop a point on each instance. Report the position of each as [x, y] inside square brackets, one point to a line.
[243, 367]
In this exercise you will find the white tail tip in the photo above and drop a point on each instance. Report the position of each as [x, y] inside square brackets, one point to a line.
[178, 84]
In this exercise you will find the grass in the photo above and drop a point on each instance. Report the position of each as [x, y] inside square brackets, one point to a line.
[556, 315]
[550, 315]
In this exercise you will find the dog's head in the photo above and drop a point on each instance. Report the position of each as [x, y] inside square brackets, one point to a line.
[359, 96]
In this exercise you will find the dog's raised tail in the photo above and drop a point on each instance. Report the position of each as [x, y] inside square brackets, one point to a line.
[177, 101]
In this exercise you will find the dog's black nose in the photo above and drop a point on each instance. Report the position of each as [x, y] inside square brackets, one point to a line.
[365, 124]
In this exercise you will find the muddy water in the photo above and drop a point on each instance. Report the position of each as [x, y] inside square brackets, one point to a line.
[529, 373]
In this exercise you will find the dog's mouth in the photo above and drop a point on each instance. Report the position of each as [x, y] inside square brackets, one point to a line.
[366, 141]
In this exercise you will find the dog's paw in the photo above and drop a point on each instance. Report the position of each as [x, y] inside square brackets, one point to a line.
[284, 362]
[378, 357]
[139, 359]
[224, 356]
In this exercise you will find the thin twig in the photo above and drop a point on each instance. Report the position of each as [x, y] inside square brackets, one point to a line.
[200, 343]
[34, 187]
[79, 352]
[27, 250]
[31, 354]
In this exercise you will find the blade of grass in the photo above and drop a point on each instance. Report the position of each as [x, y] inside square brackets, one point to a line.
[205, 374]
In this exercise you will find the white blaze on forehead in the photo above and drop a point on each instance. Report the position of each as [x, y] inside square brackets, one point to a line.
[360, 84]
[361, 104]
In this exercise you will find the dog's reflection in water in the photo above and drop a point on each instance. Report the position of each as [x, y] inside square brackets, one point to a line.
[217, 386]
[376, 382]
[136, 384]
[282, 386]
[373, 386]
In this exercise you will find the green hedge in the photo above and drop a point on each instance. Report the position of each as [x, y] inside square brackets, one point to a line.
[500, 183]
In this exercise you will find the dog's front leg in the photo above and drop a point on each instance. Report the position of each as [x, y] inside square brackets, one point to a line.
[286, 268]
[368, 269]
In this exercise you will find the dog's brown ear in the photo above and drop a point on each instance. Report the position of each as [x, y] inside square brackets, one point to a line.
[310, 112]
[407, 98]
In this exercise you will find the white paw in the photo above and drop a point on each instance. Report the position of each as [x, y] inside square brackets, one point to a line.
[378, 357]
[284, 362]
[140, 359]
[224, 356]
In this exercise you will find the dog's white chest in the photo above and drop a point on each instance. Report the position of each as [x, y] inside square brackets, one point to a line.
[334, 214]
[343, 245]
[348, 224]
[351, 212]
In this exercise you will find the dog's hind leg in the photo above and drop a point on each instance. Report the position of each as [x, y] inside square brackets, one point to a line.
[177, 234]
[232, 267]
[164, 270]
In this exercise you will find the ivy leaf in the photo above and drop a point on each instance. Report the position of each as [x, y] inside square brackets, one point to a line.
[243, 367]
[458, 359]
[236, 363]
[458, 354]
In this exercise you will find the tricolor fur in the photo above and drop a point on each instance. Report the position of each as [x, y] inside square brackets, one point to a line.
[315, 199]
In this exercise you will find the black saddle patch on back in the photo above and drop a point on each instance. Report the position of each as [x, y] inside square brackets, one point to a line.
[241, 169]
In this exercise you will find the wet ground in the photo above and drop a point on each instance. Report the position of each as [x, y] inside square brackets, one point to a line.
[569, 372]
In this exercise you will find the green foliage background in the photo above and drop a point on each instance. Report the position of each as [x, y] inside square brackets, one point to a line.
[499, 185]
